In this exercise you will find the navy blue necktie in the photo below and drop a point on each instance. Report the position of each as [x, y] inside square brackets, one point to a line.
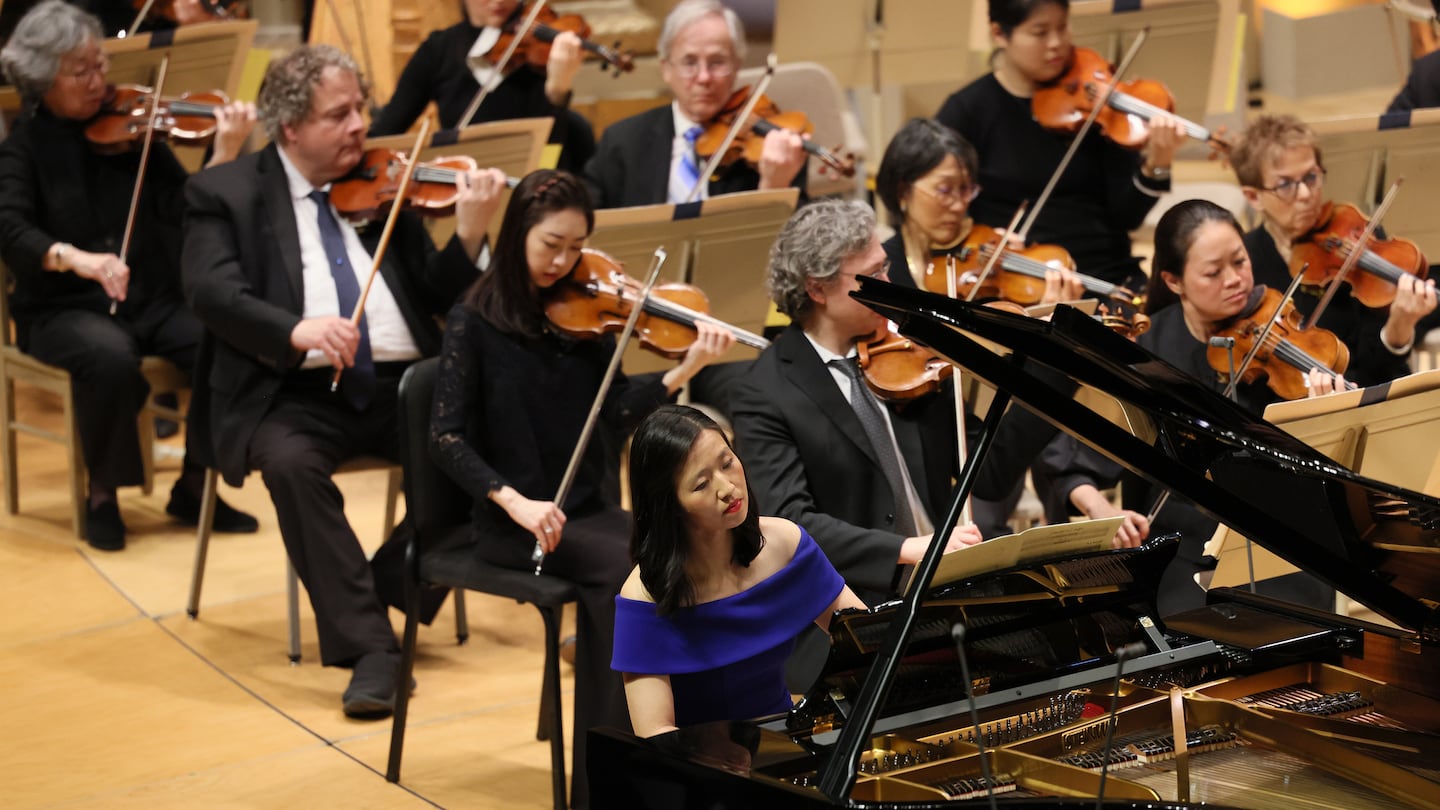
[357, 384]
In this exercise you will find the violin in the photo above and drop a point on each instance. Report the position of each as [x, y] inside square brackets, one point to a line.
[534, 48]
[1385, 261]
[597, 297]
[1063, 103]
[1127, 325]
[368, 191]
[1289, 352]
[120, 126]
[899, 369]
[1019, 276]
[749, 141]
[212, 9]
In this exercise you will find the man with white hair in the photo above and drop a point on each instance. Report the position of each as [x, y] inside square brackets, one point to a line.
[701, 46]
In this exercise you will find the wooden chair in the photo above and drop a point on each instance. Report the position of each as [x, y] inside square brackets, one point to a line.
[16, 366]
[440, 554]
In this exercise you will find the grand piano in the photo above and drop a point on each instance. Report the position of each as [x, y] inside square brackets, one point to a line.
[1056, 684]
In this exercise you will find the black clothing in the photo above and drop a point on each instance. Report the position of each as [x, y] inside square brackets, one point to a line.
[438, 72]
[1357, 325]
[632, 164]
[55, 188]
[114, 15]
[1099, 200]
[899, 264]
[245, 280]
[508, 410]
[1422, 88]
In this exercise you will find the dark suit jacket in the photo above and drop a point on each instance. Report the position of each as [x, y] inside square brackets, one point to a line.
[808, 460]
[243, 277]
[631, 165]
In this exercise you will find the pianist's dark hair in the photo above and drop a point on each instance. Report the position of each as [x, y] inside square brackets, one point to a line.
[503, 295]
[1174, 235]
[1011, 14]
[659, 544]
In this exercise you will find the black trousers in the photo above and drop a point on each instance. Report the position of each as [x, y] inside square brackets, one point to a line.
[594, 553]
[298, 446]
[102, 354]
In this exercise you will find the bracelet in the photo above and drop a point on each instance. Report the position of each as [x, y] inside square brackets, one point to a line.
[57, 256]
[1160, 173]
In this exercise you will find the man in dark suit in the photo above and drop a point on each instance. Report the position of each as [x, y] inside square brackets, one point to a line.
[650, 158]
[273, 274]
[869, 481]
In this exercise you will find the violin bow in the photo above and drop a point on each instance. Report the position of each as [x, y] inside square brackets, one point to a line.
[994, 257]
[140, 172]
[952, 284]
[385, 237]
[139, 18]
[538, 555]
[485, 90]
[1084, 130]
[735, 126]
[1355, 252]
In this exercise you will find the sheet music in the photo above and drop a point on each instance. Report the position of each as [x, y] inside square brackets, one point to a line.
[1031, 545]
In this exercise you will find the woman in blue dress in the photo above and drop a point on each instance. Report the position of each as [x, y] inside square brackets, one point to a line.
[705, 621]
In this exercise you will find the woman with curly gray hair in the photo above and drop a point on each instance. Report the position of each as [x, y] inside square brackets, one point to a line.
[63, 211]
[866, 479]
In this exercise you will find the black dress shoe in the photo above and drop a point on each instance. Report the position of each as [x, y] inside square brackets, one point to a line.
[371, 693]
[104, 529]
[165, 428]
[184, 506]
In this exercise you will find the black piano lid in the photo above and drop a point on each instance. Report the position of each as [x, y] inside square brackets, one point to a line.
[1263, 482]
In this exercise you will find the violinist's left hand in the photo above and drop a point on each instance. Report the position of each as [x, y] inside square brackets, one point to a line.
[781, 158]
[1166, 136]
[1414, 299]
[1322, 383]
[475, 207]
[1062, 285]
[233, 123]
[560, 69]
[711, 343]
[190, 11]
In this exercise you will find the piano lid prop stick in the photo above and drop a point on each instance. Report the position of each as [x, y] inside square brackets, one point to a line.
[1354, 254]
[401, 191]
[1123, 652]
[1182, 745]
[957, 632]
[537, 556]
[140, 172]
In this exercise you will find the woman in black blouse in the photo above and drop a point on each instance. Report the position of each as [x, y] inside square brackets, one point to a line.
[1106, 191]
[441, 71]
[512, 398]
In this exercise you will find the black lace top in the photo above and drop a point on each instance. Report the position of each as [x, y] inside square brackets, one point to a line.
[509, 409]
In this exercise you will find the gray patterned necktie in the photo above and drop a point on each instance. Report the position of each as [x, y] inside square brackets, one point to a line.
[876, 429]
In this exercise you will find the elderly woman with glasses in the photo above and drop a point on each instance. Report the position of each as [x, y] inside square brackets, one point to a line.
[650, 158]
[1282, 173]
[77, 303]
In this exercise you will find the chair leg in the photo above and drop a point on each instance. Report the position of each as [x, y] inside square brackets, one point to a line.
[552, 725]
[392, 495]
[292, 606]
[202, 540]
[407, 669]
[146, 428]
[79, 487]
[462, 622]
[7, 447]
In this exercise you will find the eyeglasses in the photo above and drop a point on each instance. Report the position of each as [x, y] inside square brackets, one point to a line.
[1287, 188]
[949, 195]
[880, 272]
[690, 68]
[84, 73]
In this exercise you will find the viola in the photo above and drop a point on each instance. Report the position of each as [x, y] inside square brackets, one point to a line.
[1385, 261]
[367, 193]
[1018, 276]
[1063, 103]
[750, 141]
[597, 297]
[1288, 353]
[534, 48]
[120, 126]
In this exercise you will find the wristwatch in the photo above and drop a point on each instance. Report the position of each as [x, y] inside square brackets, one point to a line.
[1155, 172]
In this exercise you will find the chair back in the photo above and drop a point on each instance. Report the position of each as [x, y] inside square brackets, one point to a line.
[433, 501]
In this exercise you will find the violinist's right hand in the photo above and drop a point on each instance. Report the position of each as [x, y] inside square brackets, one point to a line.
[104, 269]
[335, 337]
[541, 518]
[913, 549]
[781, 158]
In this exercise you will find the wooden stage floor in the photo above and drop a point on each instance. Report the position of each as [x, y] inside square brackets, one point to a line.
[115, 698]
